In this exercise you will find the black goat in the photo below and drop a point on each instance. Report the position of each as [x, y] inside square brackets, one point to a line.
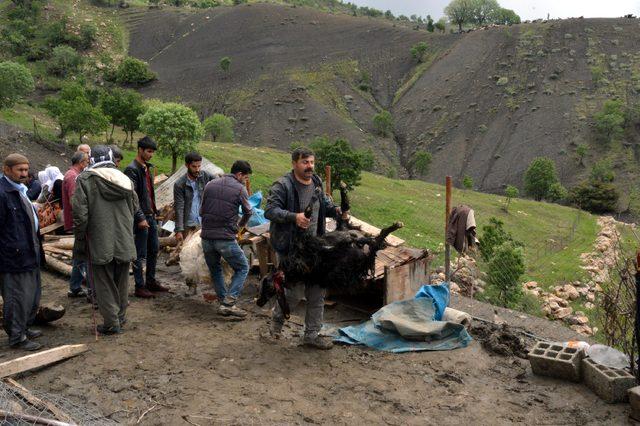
[339, 259]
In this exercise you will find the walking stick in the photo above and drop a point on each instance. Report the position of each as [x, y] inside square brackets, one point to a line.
[92, 287]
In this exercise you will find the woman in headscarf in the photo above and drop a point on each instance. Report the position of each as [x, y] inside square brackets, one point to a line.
[51, 180]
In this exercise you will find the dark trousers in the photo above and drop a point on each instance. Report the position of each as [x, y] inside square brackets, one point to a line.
[147, 247]
[111, 283]
[21, 297]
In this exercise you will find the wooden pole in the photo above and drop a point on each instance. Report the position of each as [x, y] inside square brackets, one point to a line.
[247, 183]
[447, 247]
[327, 179]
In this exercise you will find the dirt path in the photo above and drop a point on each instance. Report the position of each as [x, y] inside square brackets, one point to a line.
[178, 356]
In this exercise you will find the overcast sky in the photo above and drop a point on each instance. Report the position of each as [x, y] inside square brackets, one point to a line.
[527, 9]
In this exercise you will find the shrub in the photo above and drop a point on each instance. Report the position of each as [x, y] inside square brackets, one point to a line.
[346, 163]
[383, 123]
[503, 273]
[440, 25]
[602, 172]
[88, 33]
[220, 127]
[225, 64]
[176, 128]
[610, 121]
[420, 162]
[65, 61]
[430, 26]
[493, 235]
[467, 182]
[364, 82]
[58, 33]
[595, 197]
[418, 50]
[539, 177]
[581, 152]
[134, 72]
[556, 192]
[15, 82]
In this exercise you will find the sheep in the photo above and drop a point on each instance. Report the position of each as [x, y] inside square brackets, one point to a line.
[194, 267]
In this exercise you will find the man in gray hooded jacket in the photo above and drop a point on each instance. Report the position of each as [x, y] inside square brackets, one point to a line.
[104, 205]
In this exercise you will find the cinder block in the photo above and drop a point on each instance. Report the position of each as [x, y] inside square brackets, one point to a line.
[610, 384]
[554, 360]
[634, 401]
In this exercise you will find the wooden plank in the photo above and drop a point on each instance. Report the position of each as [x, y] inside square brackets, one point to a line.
[37, 402]
[40, 359]
[402, 282]
[51, 228]
[64, 243]
[371, 230]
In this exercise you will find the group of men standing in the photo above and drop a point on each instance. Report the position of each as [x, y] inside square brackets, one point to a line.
[113, 218]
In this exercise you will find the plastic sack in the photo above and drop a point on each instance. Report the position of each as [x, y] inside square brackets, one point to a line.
[608, 356]
[257, 218]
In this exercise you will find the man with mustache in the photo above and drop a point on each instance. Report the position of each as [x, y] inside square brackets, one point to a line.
[187, 196]
[20, 255]
[288, 198]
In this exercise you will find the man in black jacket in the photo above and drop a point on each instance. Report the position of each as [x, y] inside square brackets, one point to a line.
[288, 198]
[20, 255]
[146, 227]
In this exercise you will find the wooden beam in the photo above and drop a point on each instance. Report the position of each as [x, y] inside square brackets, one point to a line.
[57, 265]
[51, 228]
[40, 359]
[37, 402]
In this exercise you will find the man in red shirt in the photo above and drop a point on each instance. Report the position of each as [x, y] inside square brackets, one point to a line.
[79, 161]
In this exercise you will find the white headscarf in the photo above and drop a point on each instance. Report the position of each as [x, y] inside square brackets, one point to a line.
[49, 175]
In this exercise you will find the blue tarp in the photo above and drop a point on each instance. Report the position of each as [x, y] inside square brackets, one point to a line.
[410, 325]
[257, 218]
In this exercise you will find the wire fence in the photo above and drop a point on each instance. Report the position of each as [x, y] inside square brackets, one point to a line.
[19, 406]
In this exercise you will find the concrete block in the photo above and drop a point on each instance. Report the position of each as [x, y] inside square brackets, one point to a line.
[554, 360]
[610, 384]
[634, 401]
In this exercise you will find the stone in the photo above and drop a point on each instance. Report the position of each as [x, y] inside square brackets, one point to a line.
[531, 284]
[554, 360]
[634, 401]
[577, 319]
[610, 384]
[582, 329]
[563, 312]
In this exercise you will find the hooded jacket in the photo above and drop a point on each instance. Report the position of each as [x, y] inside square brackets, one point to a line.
[104, 204]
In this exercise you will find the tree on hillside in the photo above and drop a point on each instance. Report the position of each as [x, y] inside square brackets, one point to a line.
[441, 25]
[383, 123]
[65, 60]
[467, 182]
[420, 163]
[430, 26]
[175, 127]
[225, 64]
[504, 16]
[15, 82]
[220, 127]
[75, 110]
[460, 12]
[483, 11]
[581, 152]
[418, 50]
[610, 121]
[539, 177]
[124, 108]
[503, 273]
[346, 163]
[510, 192]
[134, 72]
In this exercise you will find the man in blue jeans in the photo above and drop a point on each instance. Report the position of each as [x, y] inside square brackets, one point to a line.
[221, 202]
[140, 171]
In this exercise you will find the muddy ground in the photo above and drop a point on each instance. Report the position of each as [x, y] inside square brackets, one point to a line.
[178, 358]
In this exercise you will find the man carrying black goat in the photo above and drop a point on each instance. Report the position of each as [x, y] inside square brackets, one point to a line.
[289, 197]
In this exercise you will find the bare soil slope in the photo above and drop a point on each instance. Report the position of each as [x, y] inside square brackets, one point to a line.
[483, 104]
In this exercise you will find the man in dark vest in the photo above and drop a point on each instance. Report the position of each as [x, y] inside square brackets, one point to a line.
[146, 228]
[221, 202]
[20, 255]
[288, 198]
